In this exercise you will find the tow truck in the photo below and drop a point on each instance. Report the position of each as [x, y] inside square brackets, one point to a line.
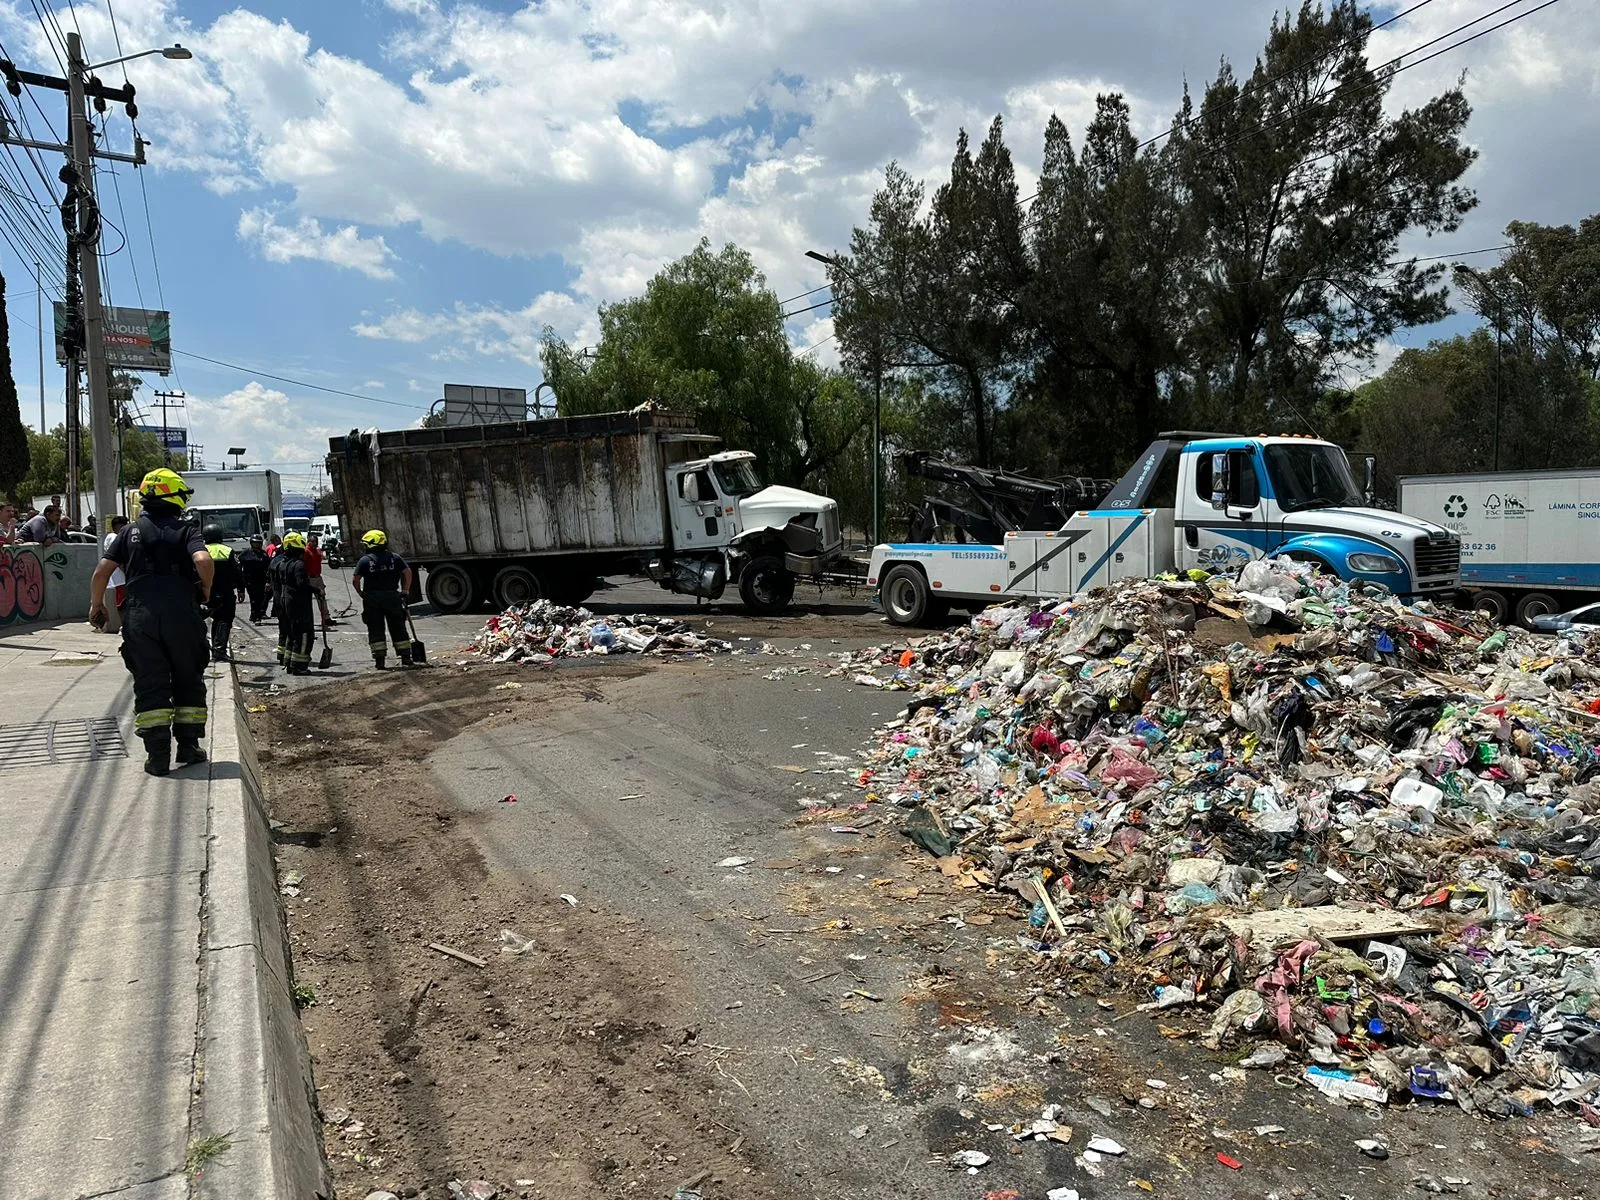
[1192, 500]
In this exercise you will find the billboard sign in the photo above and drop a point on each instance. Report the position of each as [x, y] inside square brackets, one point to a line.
[175, 440]
[468, 405]
[136, 339]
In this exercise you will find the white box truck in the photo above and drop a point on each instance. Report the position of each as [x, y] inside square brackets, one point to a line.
[1530, 540]
[1212, 501]
[245, 503]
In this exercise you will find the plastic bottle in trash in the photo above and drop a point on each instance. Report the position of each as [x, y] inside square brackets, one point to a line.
[602, 636]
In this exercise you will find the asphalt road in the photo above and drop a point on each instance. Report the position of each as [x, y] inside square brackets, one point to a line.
[817, 613]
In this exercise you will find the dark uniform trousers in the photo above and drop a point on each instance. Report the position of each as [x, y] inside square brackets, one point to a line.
[292, 601]
[164, 648]
[381, 609]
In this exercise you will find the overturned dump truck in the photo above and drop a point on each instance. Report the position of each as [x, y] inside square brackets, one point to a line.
[518, 510]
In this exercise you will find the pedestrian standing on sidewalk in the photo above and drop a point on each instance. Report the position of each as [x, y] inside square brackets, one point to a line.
[227, 589]
[116, 588]
[8, 522]
[253, 573]
[314, 572]
[292, 597]
[169, 574]
[383, 581]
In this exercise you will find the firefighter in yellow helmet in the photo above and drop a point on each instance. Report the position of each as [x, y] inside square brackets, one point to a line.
[383, 581]
[169, 573]
[291, 597]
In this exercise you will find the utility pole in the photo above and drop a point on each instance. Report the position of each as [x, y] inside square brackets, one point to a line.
[80, 219]
[38, 317]
[105, 458]
[166, 450]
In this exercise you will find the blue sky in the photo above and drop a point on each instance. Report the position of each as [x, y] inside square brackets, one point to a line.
[382, 196]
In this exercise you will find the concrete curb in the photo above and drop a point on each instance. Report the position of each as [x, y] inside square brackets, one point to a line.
[253, 1071]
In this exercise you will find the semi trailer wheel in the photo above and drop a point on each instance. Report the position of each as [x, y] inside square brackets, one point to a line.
[1535, 604]
[450, 588]
[516, 585]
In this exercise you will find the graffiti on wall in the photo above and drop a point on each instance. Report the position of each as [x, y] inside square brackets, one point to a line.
[22, 582]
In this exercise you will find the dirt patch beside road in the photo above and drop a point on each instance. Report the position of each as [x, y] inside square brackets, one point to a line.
[572, 1070]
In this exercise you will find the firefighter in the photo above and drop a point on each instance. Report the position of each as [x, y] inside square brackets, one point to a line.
[227, 590]
[169, 573]
[253, 573]
[291, 597]
[383, 581]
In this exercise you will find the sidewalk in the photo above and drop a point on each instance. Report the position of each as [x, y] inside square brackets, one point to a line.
[144, 995]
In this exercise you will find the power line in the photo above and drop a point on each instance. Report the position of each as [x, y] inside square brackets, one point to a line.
[817, 344]
[803, 295]
[798, 311]
[300, 382]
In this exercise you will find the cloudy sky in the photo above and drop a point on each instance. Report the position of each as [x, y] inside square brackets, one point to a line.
[382, 196]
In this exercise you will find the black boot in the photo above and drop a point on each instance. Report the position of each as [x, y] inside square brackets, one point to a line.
[189, 752]
[157, 755]
[380, 659]
[405, 658]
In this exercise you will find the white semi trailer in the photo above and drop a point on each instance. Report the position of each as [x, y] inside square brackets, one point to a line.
[1530, 540]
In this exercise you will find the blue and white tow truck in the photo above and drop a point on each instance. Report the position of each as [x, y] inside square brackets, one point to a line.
[1212, 501]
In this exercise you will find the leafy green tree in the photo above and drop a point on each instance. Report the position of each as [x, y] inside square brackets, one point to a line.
[14, 447]
[707, 338]
[141, 453]
[1303, 183]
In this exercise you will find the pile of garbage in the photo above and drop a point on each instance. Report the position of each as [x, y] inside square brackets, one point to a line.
[1353, 838]
[543, 630]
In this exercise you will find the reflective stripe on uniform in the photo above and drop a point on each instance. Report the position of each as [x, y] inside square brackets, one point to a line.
[404, 646]
[379, 644]
[189, 716]
[153, 718]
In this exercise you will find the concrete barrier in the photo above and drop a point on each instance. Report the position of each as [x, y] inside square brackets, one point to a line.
[256, 1071]
[45, 583]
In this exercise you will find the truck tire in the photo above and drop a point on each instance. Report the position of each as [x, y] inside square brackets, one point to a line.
[1535, 604]
[450, 588]
[1493, 605]
[766, 585]
[905, 595]
[515, 585]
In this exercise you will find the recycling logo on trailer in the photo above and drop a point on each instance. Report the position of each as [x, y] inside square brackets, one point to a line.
[1456, 507]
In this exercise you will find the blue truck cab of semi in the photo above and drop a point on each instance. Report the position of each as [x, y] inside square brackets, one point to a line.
[1192, 500]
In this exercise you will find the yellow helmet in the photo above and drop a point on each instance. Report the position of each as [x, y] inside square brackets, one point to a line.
[165, 484]
[373, 538]
[294, 541]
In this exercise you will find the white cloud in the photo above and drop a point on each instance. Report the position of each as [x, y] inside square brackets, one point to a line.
[342, 247]
[273, 426]
[485, 330]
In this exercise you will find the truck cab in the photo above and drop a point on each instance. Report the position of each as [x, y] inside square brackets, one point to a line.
[1206, 501]
[727, 526]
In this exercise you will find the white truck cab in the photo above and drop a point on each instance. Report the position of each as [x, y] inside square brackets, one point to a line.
[1208, 501]
[727, 526]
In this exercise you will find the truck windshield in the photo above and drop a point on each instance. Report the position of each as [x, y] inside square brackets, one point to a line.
[235, 522]
[1311, 476]
[737, 478]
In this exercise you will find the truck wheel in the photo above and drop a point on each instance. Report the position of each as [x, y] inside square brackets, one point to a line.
[1535, 604]
[515, 585]
[905, 595]
[1493, 605]
[450, 588]
[766, 586]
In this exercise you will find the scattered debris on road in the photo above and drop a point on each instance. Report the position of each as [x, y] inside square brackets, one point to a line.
[544, 630]
[1300, 808]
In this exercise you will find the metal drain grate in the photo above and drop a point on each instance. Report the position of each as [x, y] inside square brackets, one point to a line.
[50, 742]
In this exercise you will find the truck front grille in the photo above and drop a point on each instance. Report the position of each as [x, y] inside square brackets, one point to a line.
[1438, 556]
[831, 536]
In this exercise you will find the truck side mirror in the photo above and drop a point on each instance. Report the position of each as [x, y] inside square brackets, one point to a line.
[1220, 478]
[1371, 490]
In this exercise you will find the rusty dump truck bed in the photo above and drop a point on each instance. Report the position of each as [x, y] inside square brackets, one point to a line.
[515, 488]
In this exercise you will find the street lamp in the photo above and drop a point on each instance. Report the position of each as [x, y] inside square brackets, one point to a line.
[833, 260]
[175, 51]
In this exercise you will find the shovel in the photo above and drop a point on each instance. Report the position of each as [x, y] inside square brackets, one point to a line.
[326, 660]
[419, 652]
